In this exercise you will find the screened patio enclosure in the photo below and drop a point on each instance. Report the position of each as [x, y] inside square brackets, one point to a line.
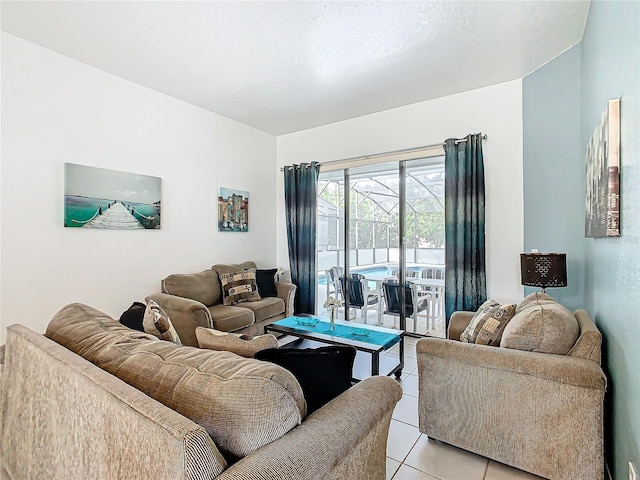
[382, 203]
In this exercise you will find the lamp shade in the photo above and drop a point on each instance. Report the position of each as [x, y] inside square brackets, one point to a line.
[544, 269]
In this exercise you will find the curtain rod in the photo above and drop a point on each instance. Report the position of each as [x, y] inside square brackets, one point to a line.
[392, 152]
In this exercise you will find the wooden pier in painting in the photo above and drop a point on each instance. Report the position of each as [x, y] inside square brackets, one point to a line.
[116, 216]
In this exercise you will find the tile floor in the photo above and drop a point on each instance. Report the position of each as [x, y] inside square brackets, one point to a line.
[412, 456]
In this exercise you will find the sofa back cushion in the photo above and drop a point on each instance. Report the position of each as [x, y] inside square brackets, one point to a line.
[203, 287]
[243, 404]
[541, 325]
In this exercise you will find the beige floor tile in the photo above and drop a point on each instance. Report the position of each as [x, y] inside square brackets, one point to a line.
[407, 410]
[407, 473]
[409, 350]
[410, 340]
[402, 438]
[410, 385]
[498, 471]
[410, 365]
[392, 467]
[445, 462]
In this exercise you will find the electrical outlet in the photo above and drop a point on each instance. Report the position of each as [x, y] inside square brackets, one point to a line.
[633, 472]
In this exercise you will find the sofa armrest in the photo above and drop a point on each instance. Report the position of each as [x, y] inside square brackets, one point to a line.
[185, 314]
[321, 447]
[457, 324]
[287, 292]
[544, 366]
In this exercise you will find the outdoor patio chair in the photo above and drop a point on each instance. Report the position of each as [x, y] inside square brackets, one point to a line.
[413, 304]
[359, 295]
[334, 285]
[408, 273]
[437, 300]
[433, 272]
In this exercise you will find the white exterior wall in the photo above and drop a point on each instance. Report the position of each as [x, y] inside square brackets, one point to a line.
[494, 110]
[57, 110]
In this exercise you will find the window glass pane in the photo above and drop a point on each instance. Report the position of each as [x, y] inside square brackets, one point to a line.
[373, 243]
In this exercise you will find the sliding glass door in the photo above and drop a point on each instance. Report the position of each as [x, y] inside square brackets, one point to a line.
[379, 230]
[424, 244]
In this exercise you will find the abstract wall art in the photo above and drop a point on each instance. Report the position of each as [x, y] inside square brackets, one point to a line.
[233, 210]
[602, 200]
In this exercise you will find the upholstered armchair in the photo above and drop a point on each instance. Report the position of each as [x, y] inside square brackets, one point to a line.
[538, 412]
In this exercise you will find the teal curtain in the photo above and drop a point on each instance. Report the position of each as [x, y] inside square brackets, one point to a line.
[465, 272]
[300, 195]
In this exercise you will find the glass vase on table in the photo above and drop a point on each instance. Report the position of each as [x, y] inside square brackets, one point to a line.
[331, 304]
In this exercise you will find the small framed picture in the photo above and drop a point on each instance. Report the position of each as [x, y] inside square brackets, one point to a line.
[233, 210]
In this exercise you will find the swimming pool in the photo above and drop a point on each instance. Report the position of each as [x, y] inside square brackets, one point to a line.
[364, 270]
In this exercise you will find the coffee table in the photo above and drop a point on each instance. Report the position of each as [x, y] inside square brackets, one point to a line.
[368, 361]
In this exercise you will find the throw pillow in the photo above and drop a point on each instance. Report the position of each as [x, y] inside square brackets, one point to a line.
[239, 287]
[488, 323]
[541, 325]
[157, 322]
[323, 373]
[242, 345]
[266, 281]
[133, 316]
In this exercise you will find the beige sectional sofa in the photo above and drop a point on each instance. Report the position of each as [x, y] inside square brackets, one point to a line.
[195, 300]
[539, 412]
[95, 400]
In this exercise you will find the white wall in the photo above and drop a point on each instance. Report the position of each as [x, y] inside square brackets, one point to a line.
[57, 110]
[494, 110]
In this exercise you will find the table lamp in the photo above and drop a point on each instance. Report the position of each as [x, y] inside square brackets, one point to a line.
[543, 269]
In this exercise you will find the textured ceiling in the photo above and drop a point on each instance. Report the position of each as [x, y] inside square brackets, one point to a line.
[288, 66]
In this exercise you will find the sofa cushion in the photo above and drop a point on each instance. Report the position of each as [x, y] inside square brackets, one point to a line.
[323, 373]
[202, 287]
[239, 287]
[228, 318]
[265, 308]
[541, 325]
[488, 323]
[243, 404]
[156, 322]
[266, 280]
[232, 342]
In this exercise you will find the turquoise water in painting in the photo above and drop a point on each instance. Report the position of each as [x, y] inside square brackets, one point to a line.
[148, 215]
[79, 210]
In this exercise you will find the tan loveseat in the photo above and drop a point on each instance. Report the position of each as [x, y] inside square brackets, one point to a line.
[195, 300]
[539, 412]
[95, 400]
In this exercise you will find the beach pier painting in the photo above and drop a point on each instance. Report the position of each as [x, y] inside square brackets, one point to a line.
[110, 199]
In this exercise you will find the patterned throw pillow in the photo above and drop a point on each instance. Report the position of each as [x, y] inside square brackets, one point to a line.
[157, 323]
[239, 287]
[488, 323]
